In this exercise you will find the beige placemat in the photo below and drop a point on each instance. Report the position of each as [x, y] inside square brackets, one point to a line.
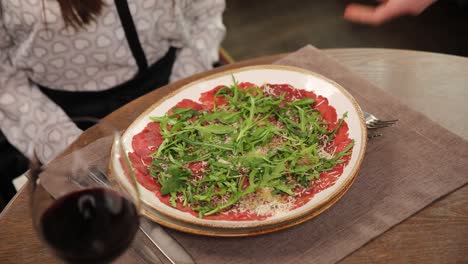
[415, 163]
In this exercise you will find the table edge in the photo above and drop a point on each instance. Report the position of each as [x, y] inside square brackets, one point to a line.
[271, 58]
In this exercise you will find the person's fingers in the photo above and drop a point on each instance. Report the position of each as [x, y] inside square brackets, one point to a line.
[373, 15]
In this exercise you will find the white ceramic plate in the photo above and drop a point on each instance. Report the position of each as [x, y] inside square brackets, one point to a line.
[338, 97]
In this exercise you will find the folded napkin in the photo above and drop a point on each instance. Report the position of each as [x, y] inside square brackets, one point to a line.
[415, 163]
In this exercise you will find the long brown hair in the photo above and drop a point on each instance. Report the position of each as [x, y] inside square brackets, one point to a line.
[78, 13]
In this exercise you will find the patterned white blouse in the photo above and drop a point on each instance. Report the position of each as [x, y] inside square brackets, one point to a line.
[35, 47]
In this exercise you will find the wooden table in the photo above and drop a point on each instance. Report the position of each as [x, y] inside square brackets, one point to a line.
[434, 84]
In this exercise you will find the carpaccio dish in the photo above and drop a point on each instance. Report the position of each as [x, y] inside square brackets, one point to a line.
[243, 152]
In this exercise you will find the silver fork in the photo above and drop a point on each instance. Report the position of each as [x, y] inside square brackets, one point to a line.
[372, 122]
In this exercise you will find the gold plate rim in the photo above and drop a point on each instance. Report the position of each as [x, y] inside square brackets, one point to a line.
[310, 213]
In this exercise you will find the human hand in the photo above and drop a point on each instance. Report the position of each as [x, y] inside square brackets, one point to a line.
[387, 10]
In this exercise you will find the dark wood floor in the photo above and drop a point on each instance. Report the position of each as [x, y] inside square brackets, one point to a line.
[260, 27]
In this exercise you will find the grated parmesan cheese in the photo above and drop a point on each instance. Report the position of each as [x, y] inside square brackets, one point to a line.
[264, 203]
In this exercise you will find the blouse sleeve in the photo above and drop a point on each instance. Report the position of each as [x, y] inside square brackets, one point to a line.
[204, 20]
[26, 114]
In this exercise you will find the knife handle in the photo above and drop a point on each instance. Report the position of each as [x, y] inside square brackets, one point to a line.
[166, 244]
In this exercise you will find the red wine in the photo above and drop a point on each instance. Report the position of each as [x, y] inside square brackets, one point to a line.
[90, 226]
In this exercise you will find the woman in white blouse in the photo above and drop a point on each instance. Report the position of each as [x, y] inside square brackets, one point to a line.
[60, 58]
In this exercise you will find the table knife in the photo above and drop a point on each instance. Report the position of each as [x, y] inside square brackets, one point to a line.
[167, 245]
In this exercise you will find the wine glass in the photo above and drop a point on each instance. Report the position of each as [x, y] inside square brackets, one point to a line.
[83, 216]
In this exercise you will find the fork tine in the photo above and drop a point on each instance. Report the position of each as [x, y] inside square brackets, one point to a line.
[372, 122]
[374, 126]
[374, 136]
[387, 121]
[382, 122]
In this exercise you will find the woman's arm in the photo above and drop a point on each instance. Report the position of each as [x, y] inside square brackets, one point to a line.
[25, 112]
[204, 21]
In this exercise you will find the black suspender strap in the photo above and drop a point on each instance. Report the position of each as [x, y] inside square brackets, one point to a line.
[131, 34]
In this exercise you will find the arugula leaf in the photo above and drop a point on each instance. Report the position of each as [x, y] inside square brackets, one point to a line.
[302, 102]
[215, 129]
[175, 179]
[332, 134]
[223, 117]
[277, 172]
